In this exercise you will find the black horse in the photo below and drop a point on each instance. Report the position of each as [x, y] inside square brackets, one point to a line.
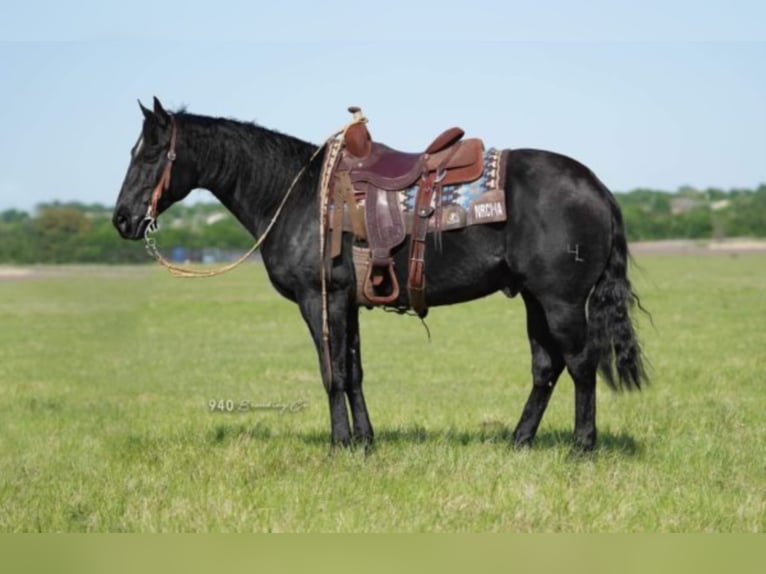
[563, 249]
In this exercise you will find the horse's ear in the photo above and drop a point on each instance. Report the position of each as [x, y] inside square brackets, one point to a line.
[147, 112]
[153, 124]
[160, 113]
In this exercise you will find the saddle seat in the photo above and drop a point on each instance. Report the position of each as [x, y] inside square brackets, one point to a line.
[387, 168]
[393, 170]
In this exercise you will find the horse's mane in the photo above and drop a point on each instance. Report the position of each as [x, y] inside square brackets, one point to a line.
[247, 149]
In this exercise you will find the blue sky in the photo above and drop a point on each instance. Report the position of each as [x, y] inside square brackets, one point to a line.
[647, 94]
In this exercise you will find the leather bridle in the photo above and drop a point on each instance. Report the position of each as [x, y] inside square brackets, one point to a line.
[164, 182]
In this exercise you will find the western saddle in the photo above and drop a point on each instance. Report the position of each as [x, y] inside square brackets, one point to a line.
[376, 173]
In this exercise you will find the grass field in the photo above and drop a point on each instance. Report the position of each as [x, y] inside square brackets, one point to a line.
[107, 377]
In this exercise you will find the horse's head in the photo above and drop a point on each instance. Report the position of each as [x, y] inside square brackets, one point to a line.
[149, 188]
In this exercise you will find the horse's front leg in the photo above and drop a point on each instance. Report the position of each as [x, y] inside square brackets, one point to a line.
[333, 362]
[363, 434]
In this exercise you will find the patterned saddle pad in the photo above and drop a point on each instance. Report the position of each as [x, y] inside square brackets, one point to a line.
[479, 201]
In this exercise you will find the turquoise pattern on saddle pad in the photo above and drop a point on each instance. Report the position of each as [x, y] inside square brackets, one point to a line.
[461, 195]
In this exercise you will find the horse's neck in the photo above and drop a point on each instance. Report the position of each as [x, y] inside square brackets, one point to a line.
[249, 169]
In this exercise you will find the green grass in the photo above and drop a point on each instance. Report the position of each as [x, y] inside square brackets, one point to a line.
[106, 375]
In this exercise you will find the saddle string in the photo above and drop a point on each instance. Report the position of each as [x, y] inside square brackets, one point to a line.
[408, 313]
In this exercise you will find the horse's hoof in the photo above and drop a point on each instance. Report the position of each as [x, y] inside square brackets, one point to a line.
[341, 443]
[582, 450]
[584, 443]
[364, 443]
[521, 441]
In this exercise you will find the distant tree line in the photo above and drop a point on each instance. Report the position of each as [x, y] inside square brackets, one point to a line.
[83, 233]
[694, 214]
[79, 233]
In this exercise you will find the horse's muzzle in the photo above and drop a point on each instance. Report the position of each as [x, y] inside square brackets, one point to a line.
[128, 225]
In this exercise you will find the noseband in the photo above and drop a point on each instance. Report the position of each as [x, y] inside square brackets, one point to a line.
[164, 182]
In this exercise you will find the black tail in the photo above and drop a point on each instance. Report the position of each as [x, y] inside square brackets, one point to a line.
[611, 336]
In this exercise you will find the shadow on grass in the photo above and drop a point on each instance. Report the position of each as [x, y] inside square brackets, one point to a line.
[620, 444]
[417, 434]
[608, 443]
[224, 433]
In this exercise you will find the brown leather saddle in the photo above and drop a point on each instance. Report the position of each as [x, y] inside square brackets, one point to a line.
[377, 173]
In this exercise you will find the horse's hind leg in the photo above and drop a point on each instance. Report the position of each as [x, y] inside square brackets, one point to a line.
[363, 433]
[547, 364]
[569, 327]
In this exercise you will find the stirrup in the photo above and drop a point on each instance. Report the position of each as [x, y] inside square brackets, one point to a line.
[369, 292]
